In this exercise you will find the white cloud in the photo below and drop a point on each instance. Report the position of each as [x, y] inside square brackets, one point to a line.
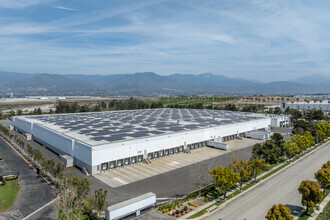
[64, 8]
[17, 4]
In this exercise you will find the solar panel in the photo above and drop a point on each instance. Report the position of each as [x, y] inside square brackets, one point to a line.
[121, 125]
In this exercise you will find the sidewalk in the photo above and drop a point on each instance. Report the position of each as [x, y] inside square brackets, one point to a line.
[322, 205]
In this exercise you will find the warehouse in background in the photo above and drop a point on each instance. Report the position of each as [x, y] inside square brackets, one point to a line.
[100, 141]
[305, 106]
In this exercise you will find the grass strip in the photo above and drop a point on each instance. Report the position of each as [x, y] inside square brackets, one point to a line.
[8, 194]
[305, 215]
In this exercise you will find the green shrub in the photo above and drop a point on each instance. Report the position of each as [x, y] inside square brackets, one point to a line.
[206, 200]
[177, 212]
[185, 208]
[281, 159]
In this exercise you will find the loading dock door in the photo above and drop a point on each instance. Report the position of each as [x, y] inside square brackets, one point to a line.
[133, 159]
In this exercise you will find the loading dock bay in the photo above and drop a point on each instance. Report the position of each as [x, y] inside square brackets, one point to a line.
[136, 172]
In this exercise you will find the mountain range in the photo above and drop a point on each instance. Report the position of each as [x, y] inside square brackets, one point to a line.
[148, 83]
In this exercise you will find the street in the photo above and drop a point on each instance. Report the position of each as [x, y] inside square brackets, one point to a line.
[280, 188]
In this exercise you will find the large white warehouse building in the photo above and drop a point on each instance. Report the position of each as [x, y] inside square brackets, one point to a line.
[106, 140]
[305, 106]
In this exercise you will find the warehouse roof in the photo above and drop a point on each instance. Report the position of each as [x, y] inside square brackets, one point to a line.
[97, 128]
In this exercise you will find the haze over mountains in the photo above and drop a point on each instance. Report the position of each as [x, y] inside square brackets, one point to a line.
[149, 83]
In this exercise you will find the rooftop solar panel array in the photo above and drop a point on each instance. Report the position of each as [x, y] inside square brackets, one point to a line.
[115, 126]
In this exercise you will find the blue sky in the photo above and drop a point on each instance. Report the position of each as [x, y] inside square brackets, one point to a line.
[262, 40]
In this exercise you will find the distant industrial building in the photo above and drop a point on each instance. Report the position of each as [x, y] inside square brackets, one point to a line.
[100, 141]
[305, 106]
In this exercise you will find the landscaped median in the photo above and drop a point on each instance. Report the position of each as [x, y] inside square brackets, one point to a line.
[9, 190]
[325, 214]
[306, 216]
[247, 186]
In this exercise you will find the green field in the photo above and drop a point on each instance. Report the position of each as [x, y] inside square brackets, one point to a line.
[192, 100]
[8, 194]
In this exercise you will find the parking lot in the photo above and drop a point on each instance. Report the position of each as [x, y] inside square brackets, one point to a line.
[35, 191]
[133, 173]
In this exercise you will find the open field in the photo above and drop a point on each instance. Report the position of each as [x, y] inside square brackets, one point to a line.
[8, 194]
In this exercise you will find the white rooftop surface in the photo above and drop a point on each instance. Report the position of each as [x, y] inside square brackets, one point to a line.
[97, 128]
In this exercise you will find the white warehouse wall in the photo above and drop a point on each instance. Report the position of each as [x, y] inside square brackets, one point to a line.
[120, 150]
[22, 125]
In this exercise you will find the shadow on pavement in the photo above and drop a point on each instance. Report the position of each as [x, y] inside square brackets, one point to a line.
[295, 210]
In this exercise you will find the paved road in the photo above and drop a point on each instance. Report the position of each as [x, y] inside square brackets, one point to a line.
[35, 192]
[280, 188]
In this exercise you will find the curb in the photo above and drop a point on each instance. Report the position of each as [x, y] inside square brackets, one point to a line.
[257, 184]
[20, 187]
[20, 154]
[323, 204]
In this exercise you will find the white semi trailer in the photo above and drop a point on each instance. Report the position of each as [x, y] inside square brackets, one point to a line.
[260, 135]
[218, 145]
[130, 206]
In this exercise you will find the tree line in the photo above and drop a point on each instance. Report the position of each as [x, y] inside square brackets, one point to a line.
[277, 150]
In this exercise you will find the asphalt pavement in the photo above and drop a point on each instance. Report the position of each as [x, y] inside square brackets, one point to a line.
[35, 191]
[280, 188]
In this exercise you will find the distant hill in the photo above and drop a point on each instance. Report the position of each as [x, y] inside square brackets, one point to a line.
[149, 83]
[11, 77]
[313, 80]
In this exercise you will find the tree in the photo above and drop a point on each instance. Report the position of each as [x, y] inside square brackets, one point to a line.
[199, 177]
[72, 193]
[97, 201]
[326, 165]
[301, 141]
[270, 152]
[231, 107]
[37, 155]
[19, 112]
[323, 177]
[30, 150]
[314, 114]
[277, 110]
[311, 193]
[324, 127]
[310, 139]
[291, 149]
[295, 113]
[257, 151]
[279, 212]
[279, 141]
[320, 136]
[224, 178]
[243, 169]
[257, 166]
